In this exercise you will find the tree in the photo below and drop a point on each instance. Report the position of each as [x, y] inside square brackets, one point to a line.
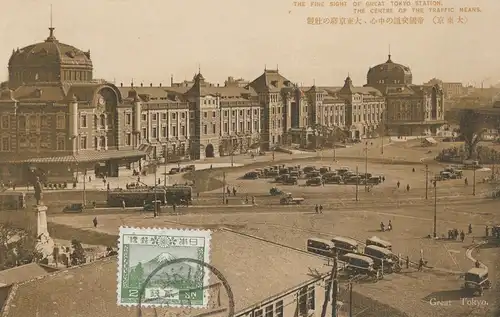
[78, 256]
[136, 276]
[17, 247]
[471, 129]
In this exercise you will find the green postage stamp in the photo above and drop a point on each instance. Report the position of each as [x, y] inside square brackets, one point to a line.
[163, 267]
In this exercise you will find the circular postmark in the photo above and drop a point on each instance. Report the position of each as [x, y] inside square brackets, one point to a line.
[185, 308]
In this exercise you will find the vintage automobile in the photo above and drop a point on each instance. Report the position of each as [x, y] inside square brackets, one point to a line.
[316, 181]
[309, 169]
[320, 246]
[292, 180]
[378, 242]
[251, 175]
[359, 264]
[345, 245]
[476, 280]
[383, 258]
[288, 199]
[332, 179]
[73, 208]
[275, 191]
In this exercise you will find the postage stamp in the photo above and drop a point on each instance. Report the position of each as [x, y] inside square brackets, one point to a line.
[144, 256]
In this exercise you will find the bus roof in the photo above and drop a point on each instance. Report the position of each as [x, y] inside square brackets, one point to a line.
[380, 249]
[478, 271]
[346, 240]
[378, 240]
[359, 257]
[325, 241]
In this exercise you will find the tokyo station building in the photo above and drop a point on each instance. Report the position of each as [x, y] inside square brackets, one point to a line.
[55, 117]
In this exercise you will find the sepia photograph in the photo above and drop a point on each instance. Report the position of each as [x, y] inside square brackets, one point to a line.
[249, 159]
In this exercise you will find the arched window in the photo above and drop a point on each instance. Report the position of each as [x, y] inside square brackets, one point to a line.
[96, 119]
[103, 120]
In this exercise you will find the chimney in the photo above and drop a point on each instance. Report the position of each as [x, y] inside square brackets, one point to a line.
[121, 84]
[160, 84]
[141, 84]
[150, 84]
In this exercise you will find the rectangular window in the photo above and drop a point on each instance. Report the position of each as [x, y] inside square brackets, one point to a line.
[205, 129]
[5, 144]
[256, 126]
[128, 118]
[164, 132]
[183, 115]
[144, 117]
[311, 298]
[83, 142]
[214, 128]
[205, 114]
[213, 114]
[5, 122]
[279, 309]
[191, 115]
[226, 113]
[269, 311]
[226, 127]
[164, 116]
[83, 121]
[183, 130]
[144, 133]
[61, 145]
[154, 117]
[174, 130]
[61, 122]
[258, 313]
[128, 139]
[155, 132]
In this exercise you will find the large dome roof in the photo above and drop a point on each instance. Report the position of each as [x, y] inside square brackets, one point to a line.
[50, 51]
[389, 73]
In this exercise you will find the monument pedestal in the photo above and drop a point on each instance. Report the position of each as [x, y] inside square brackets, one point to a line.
[45, 244]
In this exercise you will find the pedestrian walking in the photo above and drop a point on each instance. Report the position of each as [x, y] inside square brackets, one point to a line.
[408, 187]
[470, 228]
[383, 179]
[123, 203]
[228, 191]
[389, 226]
[413, 170]
[253, 200]
[174, 207]
[95, 222]
[246, 199]
[421, 264]
[466, 181]
[320, 209]
[234, 191]
[477, 264]
[398, 184]
[486, 231]
[317, 209]
[462, 236]
[407, 261]
[90, 179]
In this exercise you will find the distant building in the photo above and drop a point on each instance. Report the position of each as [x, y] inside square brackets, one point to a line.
[450, 90]
[410, 109]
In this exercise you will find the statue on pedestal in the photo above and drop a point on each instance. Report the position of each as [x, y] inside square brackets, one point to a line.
[38, 192]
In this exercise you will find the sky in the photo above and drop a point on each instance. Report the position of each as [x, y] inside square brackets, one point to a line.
[150, 40]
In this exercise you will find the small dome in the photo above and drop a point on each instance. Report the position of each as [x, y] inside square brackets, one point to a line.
[389, 73]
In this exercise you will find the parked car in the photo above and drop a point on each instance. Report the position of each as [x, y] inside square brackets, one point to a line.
[251, 175]
[291, 181]
[315, 181]
[73, 208]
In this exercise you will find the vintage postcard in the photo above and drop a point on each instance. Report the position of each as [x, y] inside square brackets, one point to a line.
[306, 158]
[163, 267]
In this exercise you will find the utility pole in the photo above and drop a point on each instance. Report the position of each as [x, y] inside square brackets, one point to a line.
[357, 183]
[223, 188]
[84, 198]
[350, 299]
[335, 286]
[329, 287]
[426, 180]
[435, 208]
[366, 166]
[474, 182]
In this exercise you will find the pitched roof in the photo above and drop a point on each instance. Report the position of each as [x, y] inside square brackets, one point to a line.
[40, 93]
[90, 290]
[270, 80]
[23, 273]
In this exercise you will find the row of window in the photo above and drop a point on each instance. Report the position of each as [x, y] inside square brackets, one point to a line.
[101, 121]
[175, 131]
[366, 117]
[241, 127]
[155, 116]
[234, 112]
[99, 142]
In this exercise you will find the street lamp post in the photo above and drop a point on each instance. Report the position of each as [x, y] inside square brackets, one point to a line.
[474, 182]
[366, 166]
[435, 209]
[426, 180]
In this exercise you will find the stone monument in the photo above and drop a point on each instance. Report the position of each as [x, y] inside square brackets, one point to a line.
[45, 244]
